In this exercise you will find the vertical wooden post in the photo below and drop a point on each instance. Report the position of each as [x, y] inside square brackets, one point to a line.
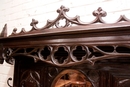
[1, 51]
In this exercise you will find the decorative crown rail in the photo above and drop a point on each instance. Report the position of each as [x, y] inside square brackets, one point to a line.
[99, 13]
[66, 55]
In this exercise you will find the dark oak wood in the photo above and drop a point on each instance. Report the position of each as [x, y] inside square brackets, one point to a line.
[2, 34]
[97, 53]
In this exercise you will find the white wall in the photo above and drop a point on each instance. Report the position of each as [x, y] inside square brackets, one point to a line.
[19, 13]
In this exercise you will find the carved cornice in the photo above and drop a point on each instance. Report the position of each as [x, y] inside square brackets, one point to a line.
[60, 45]
[69, 21]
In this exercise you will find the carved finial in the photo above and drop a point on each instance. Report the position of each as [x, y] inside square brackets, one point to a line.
[63, 9]
[34, 22]
[14, 31]
[4, 31]
[23, 31]
[99, 12]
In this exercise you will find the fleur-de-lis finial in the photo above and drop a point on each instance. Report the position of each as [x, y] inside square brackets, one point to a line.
[63, 9]
[99, 12]
[34, 22]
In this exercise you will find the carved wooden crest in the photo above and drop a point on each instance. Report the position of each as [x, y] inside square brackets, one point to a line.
[67, 45]
[99, 13]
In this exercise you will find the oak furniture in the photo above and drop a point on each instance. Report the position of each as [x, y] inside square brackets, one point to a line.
[95, 53]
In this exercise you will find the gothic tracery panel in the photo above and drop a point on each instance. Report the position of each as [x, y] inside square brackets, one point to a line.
[70, 55]
[30, 79]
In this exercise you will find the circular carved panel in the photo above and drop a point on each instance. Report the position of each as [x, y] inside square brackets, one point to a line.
[71, 78]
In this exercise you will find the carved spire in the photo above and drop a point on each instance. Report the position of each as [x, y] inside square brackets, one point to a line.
[4, 31]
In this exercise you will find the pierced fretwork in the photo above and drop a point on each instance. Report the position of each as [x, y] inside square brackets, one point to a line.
[68, 55]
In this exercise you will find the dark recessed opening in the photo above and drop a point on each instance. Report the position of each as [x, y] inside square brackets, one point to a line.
[106, 48]
[45, 52]
[79, 53]
[123, 49]
[61, 54]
